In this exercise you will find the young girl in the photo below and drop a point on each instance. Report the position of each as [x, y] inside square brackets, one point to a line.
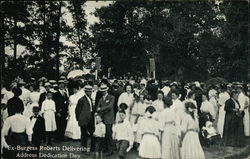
[48, 111]
[191, 147]
[170, 131]
[149, 128]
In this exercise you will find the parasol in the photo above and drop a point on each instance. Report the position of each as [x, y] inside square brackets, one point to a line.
[75, 73]
[216, 81]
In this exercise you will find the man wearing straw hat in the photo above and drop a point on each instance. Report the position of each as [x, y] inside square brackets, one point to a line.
[61, 100]
[85, 117]
[106, 108]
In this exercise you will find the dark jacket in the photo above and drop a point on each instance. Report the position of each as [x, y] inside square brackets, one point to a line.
[83, 113]
[107, 109]
[38, 130]
[61, 103]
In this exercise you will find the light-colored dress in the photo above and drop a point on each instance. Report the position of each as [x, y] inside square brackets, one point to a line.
[244, 104]
[48, 110]
[73, 130]
[137, 114]
[207, 107]
[179, 108]
[158, 105]
[34, 99]
[191, 147]
[129, 100]
[150, 146]
[171, 133]
[223, 97]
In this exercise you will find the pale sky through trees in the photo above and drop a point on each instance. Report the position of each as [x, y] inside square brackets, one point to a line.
[90, 7]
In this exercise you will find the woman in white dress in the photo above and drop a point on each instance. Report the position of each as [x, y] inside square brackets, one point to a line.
[33, 99]
[73, 130]
[127, 97]
[223, 97]
[191, 147]
[244, 106]
[170, 132]
[207, 110]
[158, 104]
[48, 111]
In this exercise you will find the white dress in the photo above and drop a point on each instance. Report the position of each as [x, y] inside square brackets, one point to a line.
[73, 130]
[129, 100]
[34, 99]
[207, 107]
[138, 112]
[179, 108]
[244, 104]
[150, 146]
[48, 110]
[191, 147]
[171, 133]
[223, 97]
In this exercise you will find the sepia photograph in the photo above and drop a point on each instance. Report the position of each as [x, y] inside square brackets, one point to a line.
[125, 79]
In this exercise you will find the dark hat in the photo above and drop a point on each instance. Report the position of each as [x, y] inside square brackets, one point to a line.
[36, 108]
[190, 105]
[123, 106]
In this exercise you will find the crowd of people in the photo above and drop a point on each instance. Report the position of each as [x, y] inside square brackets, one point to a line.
[159, 119]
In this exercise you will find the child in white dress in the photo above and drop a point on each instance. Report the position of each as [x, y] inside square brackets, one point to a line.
[191, 147]
[48, 111]
[150, 130]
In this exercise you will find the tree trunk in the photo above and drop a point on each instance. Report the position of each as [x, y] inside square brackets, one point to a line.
[2, 41]
[15, 40]
[57, 40]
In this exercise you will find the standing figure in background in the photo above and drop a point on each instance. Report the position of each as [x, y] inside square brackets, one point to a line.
[223, 97]
[170, 132]
[73, 130]
[48, 111]
[106, 108]
[128, 98]
[33, 100]
[38, 127]
[191, 147]
[85, 116]
[233, 133]
[61, 100]
[244, 106]
[14, 101]
[150, 130]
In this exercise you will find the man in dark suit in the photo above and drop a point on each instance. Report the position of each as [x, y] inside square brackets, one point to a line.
[61, 101]
[85, 117]
[106, 108]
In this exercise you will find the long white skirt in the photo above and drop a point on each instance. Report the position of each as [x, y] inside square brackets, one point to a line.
[150, 147]
[73, 130]
[170, 145]
[221, 119]
[50, 120]
[191, 147]
[246, 122]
